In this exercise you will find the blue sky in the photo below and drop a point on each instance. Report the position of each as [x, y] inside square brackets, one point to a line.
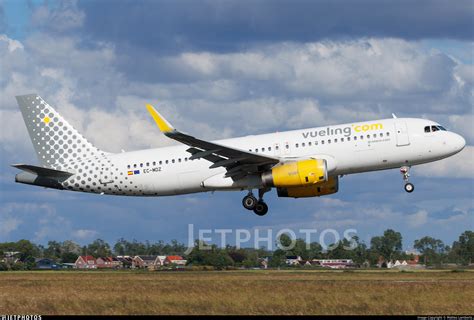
[221, 69]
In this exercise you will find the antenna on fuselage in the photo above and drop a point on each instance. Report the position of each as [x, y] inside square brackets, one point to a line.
[394, 116]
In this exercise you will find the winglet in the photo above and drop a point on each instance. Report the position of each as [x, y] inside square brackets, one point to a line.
[161, 122]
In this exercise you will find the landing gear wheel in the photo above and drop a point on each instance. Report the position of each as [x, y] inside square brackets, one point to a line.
[409, 187]
[261, 208]
[405, 171]
[249, 202]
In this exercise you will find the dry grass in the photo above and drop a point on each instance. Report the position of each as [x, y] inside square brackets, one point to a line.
[237, 292]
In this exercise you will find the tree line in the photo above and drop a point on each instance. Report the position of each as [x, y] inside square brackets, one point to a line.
[388, 246]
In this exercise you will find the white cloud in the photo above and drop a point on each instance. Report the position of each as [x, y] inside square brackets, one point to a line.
[84, 234]
[63, 17]
[8, 224]
[417, 219]
[266, 88]
[461, 165]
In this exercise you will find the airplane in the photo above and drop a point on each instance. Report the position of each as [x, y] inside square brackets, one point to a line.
[297, 163]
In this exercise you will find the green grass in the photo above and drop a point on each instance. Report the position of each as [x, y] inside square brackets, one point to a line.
[237, 292]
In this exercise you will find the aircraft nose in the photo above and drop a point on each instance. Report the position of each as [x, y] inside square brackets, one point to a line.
[458, 142]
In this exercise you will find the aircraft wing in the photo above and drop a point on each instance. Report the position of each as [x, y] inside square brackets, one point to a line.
[238, 163]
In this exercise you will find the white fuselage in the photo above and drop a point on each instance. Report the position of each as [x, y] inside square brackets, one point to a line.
[348, 148]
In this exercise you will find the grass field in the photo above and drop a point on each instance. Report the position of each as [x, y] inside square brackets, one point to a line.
[237, 292]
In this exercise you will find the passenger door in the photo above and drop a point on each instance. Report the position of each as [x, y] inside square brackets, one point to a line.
[401, 132]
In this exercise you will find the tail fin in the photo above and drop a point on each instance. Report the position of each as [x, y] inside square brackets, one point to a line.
[55, 141]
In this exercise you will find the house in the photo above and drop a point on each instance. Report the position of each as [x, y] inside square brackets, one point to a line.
[177, 260]
[143, 262]
[46, 264]
[10, 257]
[264, 262]
[108, 262]
[334, 263]
[102, 263]
[160, 261]
[293, 260]
[86, 262]
[304, 263]
[125, 261]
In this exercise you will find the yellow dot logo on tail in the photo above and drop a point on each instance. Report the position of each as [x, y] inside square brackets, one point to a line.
[46, 120]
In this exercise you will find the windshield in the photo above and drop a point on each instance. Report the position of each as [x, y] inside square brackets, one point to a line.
[434, 128]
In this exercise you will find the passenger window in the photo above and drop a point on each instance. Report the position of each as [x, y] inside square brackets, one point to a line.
[381, 134]
[387, 134]
[303, 144]
[256, 150]
[315, 143]
[269, 148]
[276, 147]
[185, 159]
[161, 162]
[172, 160]
[329, 140]
[128, 167]
[322, 141]
[434, 128]
[309, 144]
[147, 164]
[368, 136]
[335, 140]
[348, 138]
[154, 163]
[427, 129]
[375, 135]
[179, 159]
[355, 138]
[263, 149]
[141, 165]
[361, 137]
[288, 146]
[166, 161]
[296, 145]
[342, 139]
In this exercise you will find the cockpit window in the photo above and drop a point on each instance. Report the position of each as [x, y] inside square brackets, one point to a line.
[427, 129]
[442, 128]
[434, 128]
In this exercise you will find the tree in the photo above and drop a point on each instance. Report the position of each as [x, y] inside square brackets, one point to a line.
[389, 245]
[463, 249]
[69, 251]
[209, 256]
[99, 248]
[431, 249]
[53, 251]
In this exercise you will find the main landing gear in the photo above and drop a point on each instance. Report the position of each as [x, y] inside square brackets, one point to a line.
[258, 206]
[405, 171]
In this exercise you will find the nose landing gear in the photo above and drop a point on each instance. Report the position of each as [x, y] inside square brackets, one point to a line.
[405, 171]
[258, 206]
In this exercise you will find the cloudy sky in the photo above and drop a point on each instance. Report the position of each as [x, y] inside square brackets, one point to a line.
[219, 69]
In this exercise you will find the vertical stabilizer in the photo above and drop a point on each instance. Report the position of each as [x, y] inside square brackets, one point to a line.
[55, 141]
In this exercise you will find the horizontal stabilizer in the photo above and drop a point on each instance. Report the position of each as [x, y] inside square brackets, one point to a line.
[43, 172]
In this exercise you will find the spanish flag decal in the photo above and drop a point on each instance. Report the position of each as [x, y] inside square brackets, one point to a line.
[130, 173]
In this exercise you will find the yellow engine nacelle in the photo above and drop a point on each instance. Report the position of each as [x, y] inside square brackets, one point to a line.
[320, 189]
[296, 174]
